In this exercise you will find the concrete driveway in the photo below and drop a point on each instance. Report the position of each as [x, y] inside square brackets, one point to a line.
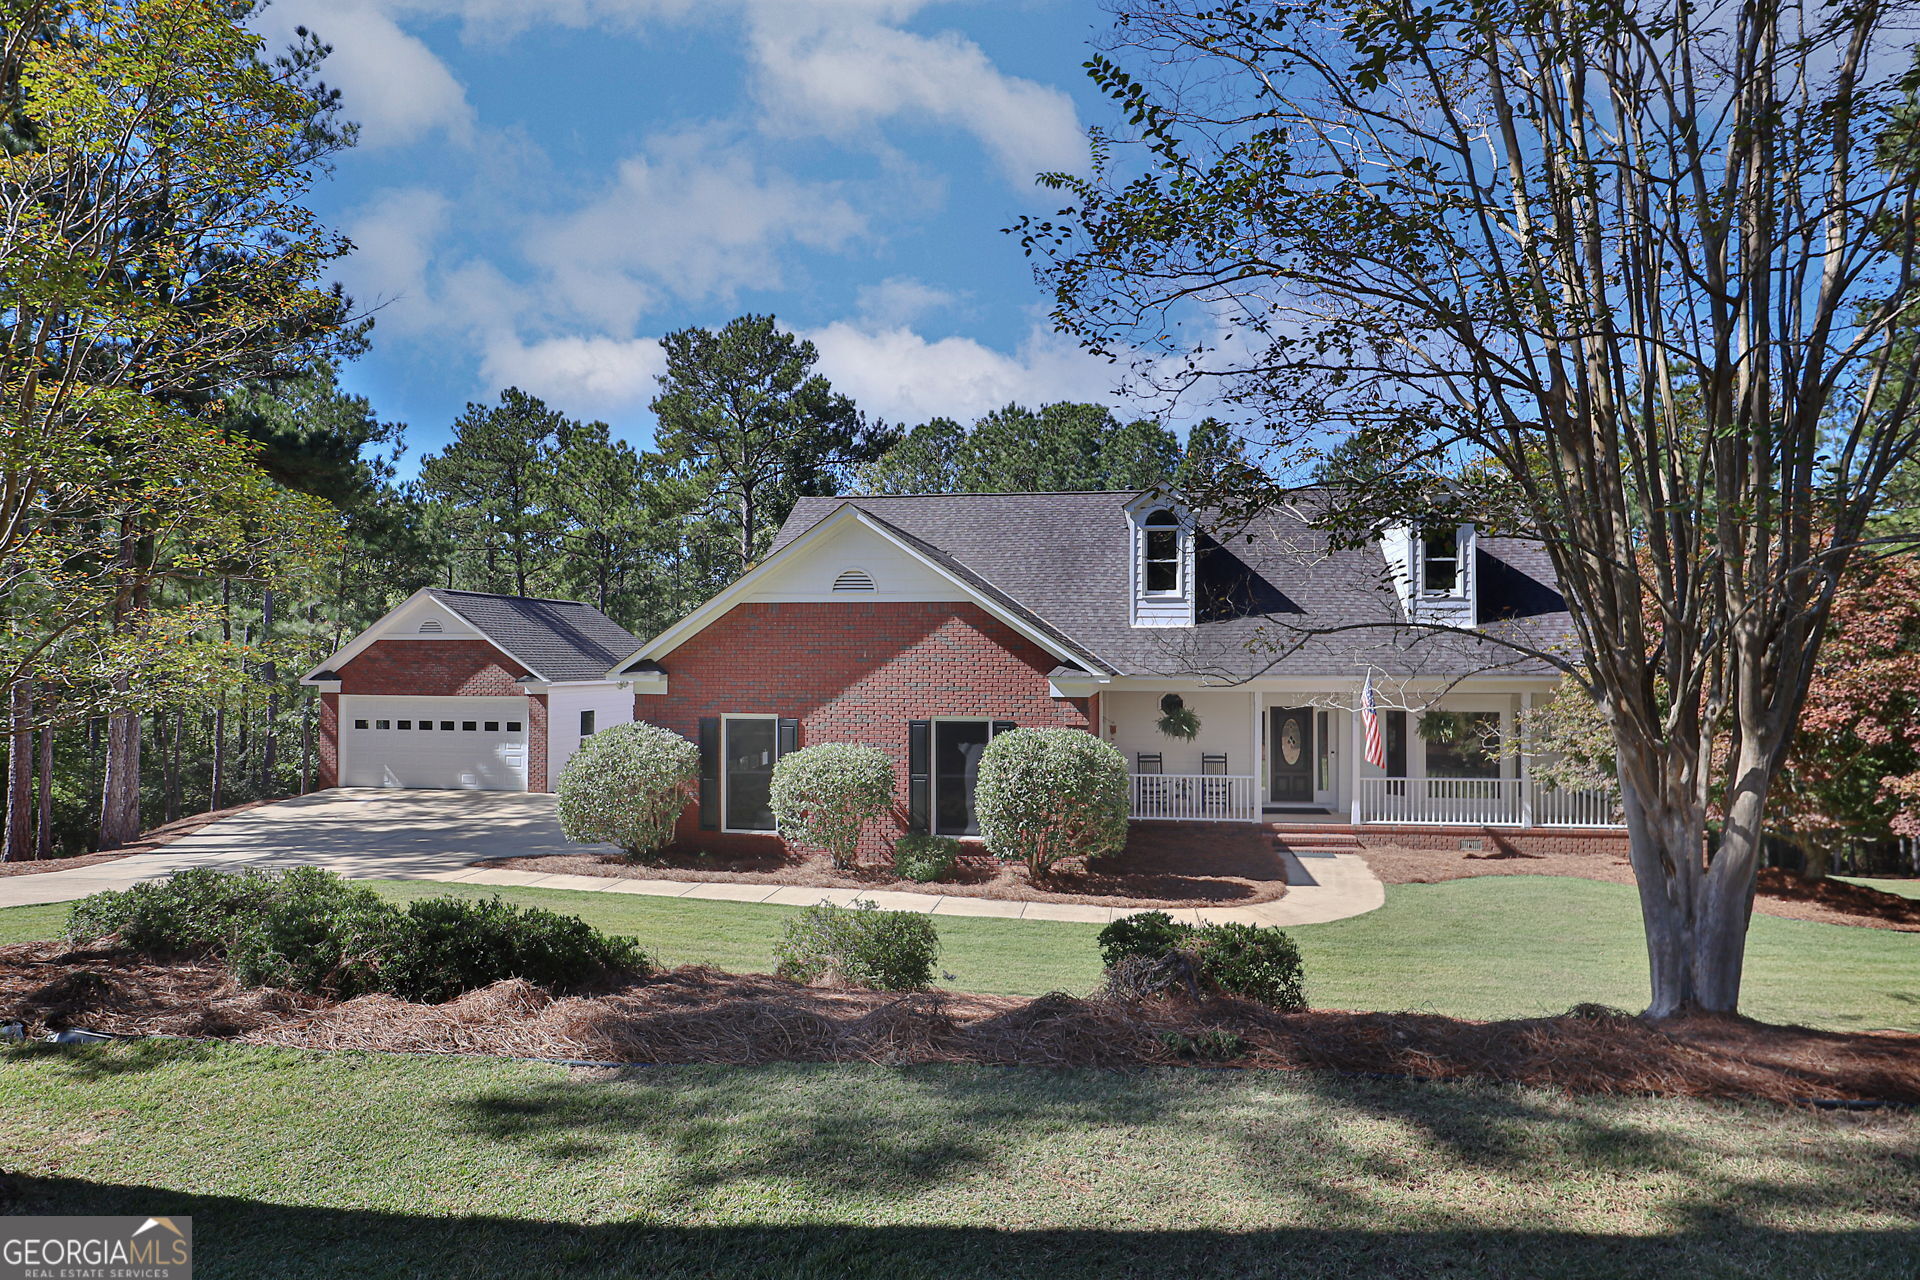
[354, 831]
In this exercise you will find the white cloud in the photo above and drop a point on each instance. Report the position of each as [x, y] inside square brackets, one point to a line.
[900, 300]
[842, 70]
[389, 82]
[691, 218]
[579, 375]
[394, 236]
[902, 376]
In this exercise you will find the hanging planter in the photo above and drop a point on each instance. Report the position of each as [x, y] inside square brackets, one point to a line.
[1177, 720]
[1451, 728]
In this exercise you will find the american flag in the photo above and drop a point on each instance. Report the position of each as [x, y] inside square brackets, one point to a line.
[1370, 721]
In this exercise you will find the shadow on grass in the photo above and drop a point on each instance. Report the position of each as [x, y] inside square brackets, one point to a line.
[246, 1238]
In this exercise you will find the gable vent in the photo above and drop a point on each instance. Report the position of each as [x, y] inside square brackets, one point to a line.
[853, 580]
[430, 627]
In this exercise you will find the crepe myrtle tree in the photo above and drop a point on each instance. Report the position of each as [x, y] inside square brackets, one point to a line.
[627, 785]
[1046, 795]
[825, 795]
[1636, 278]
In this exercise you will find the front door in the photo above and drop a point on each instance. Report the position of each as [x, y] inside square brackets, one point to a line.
[1290, 756]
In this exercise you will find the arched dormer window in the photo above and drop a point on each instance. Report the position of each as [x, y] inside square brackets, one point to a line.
[1162, 557]
[1161, 533]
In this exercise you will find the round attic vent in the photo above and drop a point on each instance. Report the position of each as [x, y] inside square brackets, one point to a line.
[853, 580]
[430, 626]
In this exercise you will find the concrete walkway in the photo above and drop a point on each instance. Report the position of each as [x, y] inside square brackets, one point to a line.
[438, 835]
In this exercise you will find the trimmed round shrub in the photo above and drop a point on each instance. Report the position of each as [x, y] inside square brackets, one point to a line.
[451, 945]
[1046, 795]
[1245, 960]
[627, 785]
[824, 796]
[1259, 963]
[1145, 935]
[925, 858]
[860, 946]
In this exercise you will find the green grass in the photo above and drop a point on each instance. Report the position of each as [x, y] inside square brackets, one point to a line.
[297, 1165]
[1909, 888]
[1493, 947]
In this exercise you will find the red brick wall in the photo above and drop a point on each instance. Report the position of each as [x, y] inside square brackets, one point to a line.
[1531, 840]
[537, 742]
[329, 770]
[462, 668]
[444, 668]
[855, 673]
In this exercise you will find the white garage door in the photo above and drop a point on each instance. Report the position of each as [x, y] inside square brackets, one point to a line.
[454, 744]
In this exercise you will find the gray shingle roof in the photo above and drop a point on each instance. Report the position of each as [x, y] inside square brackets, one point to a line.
[559, 639]
[1275, 598]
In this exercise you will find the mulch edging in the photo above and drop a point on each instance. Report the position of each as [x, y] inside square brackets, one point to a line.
[701, 1015]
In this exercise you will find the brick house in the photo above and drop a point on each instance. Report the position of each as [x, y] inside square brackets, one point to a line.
[925, 624]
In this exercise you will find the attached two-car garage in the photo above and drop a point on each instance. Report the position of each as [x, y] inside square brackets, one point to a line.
[462, 744]
[470, 691]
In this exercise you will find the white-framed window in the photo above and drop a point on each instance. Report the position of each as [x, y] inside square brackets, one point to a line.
[1440, 562]
[1160, 554]
[958, 743]
[748, 747]
[586, 723]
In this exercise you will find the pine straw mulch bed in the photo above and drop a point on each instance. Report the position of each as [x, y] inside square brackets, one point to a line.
[158, 838]
[701, 1015]
[1169, 865]
[1781, 893]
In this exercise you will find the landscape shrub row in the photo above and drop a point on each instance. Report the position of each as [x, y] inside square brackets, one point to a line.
[309, 930]
[1042, 796]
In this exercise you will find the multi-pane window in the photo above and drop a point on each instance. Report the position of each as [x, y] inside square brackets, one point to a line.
[586, 723]
[957, 748]
[1471, 748]
[1160, 553]
[747, 754]
[1440, 562]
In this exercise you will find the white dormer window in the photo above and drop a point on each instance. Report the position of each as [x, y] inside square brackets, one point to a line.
[1440, 574]
[1162, 570]
[1161, 554]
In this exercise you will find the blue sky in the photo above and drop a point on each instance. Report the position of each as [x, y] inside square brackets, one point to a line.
[543, 187]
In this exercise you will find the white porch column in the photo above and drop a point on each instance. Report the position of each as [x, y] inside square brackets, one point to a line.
[1259, 809]
[1526, 760]
[1357, 753]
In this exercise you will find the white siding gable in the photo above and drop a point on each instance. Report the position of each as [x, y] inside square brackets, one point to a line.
[425, 619]
[838, 561]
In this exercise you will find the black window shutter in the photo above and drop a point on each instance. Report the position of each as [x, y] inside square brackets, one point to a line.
[1001, 726]
[709, 773]
[786, 737]
[1396, 728]
[919, 769]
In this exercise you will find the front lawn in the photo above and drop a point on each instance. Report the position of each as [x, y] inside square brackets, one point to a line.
[300, 1164]
[1493, 947]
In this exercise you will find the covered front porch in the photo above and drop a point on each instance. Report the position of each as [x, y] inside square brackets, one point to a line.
[1280, 753]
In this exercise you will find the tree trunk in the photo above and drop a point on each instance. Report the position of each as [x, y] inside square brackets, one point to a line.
[18, 841]
[120, 787]
[43, 823]
[173, 765]
[217, 784]
[269, 671]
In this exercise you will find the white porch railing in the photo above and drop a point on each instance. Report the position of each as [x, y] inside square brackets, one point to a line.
[1195, 797]
[1484, 802]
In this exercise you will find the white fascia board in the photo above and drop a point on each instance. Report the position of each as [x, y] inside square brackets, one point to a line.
[362, 642]
[1342, 684]
[750, 582]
